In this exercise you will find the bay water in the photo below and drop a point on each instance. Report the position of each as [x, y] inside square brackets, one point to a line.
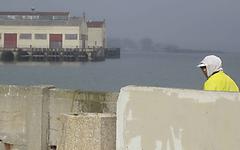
[161, 69]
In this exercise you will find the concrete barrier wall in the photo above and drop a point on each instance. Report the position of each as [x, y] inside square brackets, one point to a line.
[88, 131]
[23, 120]
[30, 116]
[150, 118]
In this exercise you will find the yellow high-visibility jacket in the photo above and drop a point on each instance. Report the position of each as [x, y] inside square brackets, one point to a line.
[220, 82]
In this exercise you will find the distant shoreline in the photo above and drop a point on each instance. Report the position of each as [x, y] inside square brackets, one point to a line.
[175, 51]
[191, 51]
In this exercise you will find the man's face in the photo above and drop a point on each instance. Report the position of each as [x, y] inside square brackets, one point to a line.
[204, 70]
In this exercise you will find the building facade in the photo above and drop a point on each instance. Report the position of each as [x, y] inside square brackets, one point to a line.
[96, 34]
[49, 30]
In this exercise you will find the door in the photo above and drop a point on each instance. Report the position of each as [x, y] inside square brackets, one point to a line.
[55, 41]
[10, 40]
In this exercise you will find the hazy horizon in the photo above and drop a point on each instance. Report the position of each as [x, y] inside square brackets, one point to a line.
[205, 24]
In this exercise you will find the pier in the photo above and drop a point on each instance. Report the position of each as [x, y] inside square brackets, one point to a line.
[57, 55]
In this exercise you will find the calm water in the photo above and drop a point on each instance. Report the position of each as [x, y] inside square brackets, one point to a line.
[147, 69]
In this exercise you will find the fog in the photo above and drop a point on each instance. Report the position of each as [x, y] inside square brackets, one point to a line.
[193, 24]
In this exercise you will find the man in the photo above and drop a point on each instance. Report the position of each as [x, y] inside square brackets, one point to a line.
[217, 80]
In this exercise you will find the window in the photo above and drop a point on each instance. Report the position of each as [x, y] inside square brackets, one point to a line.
[26, 17]
[35, 17]
[59, 17]
[71, 36]
[45, 17]
[40, 36]
[83, 37]
[30, 17]
[11, 17]
[25, 36]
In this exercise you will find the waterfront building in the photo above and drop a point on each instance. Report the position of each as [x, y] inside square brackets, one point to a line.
[49, 30]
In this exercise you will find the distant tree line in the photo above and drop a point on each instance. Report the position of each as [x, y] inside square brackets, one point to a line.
[144, 44]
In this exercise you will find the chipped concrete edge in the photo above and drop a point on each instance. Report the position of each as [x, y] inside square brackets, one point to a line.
[122, 101]
[198, 95]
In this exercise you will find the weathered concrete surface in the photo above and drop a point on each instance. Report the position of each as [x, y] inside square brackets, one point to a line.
[75, 102]
[152, 118]
[88, 131]
[30, 116]
[23, 116]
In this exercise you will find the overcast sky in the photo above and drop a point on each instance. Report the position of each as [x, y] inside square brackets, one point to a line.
[198, 24]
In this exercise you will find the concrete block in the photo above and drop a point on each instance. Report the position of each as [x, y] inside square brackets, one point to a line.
[88, 131]
[152, 118]
[64, 101]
